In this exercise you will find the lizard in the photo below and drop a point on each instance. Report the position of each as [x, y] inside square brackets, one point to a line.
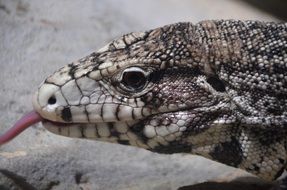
[216, 88]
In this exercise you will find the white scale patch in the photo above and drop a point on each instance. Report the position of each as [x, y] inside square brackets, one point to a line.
[96, 75]
[60, 100]
[87, 85]
[170, 137]
[85, 100]
[90, 131]
[147, 111]
[95, 96]
[121, 127]
[65, 131]
[138, 113]
[173, 128]
[72, 93]
[102, 99]
[149, 131]
[103, 130]
[105, 65]
[152, 143]
[81, 71]
[112, 69]
[130, 38]
[94, 111]
[78, 114]
[75, 132]
[161, 140]
[109, 99]
[125, 112]
[109, 111]
[119, 44]
[180, 123]
[162, 131]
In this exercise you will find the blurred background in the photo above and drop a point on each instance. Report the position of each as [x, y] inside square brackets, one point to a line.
[38, 37]
[275, 7]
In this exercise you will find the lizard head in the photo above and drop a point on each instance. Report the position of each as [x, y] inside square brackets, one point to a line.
[144, 89]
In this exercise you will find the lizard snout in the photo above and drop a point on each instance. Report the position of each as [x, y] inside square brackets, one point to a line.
[48, 101]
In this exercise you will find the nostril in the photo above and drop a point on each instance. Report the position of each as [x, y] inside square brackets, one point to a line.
[52, 100]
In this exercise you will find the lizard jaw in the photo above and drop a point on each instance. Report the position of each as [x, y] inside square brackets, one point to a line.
[112, 132]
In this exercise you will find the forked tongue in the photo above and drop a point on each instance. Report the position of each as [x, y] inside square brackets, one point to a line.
[26, 121]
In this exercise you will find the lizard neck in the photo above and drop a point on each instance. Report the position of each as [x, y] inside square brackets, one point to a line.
[216, 46]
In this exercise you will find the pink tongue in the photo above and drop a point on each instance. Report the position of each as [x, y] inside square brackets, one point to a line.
[22, 124]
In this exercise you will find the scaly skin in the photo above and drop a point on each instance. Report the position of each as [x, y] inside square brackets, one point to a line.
[216, 88]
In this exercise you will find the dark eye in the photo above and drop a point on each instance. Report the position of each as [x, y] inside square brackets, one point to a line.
[134, 79]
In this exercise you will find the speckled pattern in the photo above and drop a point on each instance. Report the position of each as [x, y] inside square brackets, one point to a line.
[216, 88]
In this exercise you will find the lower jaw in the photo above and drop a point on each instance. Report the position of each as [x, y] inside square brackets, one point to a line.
[75, 130]
[93, 131]
[110, 132]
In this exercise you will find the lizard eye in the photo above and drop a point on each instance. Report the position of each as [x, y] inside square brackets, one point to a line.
[133, 79]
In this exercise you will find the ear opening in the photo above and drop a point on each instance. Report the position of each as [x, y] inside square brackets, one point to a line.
[216, 83]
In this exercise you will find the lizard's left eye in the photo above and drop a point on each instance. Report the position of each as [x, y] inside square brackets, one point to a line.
[133, 79]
